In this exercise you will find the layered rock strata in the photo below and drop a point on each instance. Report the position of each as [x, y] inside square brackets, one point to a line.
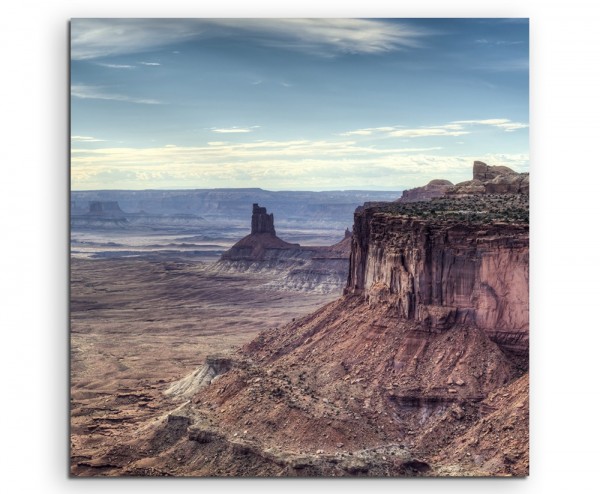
[440, 271]
[304, 268]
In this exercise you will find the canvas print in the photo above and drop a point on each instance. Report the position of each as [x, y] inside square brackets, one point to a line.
[299, 247]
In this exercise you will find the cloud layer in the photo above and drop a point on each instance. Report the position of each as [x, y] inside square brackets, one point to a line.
[452, 129]
[323, 164]
[83, 91]
[94, 38]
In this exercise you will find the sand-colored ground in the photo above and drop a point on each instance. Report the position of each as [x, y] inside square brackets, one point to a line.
[138, 325]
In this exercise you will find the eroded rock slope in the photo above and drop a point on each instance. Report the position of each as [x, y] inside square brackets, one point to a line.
[419, 369]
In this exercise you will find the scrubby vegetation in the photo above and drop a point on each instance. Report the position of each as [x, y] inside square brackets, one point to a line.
[489, 208]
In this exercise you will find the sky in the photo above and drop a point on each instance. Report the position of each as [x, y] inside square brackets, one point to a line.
[295, 104]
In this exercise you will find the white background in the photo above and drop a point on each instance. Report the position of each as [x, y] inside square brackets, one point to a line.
[565, 66]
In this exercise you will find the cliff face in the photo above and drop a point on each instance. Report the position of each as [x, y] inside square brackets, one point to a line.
[261, 221]
[440, 273]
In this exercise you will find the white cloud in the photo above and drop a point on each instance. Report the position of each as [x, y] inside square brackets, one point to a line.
[92, 92]
[94, 38]
[151, 64]
[86, 139]
[428, 132]
[233, 130]
[501, 123]
[359, 132]
[512, 126]
[116, 66]
[330, 36]
[452, 129]
[273, 164]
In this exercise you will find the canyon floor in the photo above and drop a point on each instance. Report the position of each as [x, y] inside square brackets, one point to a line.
[420, 367]
[137, 325]
[304, 399]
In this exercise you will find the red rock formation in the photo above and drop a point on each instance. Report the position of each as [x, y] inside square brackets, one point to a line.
[261, 221]
[486, 180]
[484, 172]
[492, 180]
[435, 188]
[441, 273]
[262, 243]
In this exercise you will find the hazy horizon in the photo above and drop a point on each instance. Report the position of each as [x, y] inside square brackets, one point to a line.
[184, 188]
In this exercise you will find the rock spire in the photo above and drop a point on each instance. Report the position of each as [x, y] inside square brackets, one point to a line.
[261, 221]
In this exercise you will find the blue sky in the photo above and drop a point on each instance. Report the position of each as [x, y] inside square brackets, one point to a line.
[295, 104]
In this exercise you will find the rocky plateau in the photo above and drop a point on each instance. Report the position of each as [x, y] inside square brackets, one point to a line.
[420, 368]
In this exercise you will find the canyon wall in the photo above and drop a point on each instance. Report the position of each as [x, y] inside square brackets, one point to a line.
[441, 273]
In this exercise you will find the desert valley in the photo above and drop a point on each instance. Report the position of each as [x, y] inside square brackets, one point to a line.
[240, 332]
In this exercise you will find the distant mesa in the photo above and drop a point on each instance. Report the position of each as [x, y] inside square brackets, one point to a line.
[486, 180]
[106, 209]
[221, 209]
[306, 268]
[101, 214]
[108, 214]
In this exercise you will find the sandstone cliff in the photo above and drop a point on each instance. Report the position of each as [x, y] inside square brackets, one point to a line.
[441, 271]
